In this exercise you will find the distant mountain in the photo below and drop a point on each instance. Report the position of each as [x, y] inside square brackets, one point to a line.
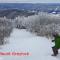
[29, 6]
[12, 13]
[11, 10]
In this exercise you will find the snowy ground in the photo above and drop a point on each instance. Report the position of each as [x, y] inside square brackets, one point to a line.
[23, 41]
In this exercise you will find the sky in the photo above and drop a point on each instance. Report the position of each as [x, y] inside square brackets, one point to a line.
[29, 1]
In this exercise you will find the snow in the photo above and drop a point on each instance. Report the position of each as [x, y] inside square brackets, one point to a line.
[24, 41]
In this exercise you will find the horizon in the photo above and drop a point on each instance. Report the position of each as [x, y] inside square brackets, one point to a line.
[28, 3]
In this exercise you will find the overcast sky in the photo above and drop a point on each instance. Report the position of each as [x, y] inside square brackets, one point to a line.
[29, 1]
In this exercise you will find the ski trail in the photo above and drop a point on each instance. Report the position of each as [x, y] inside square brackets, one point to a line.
[24, 41]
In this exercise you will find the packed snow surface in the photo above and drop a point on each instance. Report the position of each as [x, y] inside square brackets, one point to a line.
[24, 41]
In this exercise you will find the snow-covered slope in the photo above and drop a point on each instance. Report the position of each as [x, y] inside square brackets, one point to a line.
[24, 41]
